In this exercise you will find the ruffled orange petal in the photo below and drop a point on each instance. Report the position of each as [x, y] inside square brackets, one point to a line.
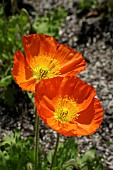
[22, 73]
[44, 110]
[77, 89]
[38, 45]
[89, 117]
[65, 129]
[53, 123]
[47, 88]
[72, 62]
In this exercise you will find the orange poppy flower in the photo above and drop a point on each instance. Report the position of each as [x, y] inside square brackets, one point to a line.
[68, 105]
[44, 59]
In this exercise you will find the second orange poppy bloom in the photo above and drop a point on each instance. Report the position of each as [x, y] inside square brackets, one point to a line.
[45, 58]
[68, 105]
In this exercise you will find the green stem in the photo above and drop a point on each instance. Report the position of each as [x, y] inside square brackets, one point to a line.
[55, 151]
[37, 122]
[25, 11]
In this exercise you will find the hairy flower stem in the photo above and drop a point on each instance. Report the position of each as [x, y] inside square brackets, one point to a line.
[37, 122]
[55, 151]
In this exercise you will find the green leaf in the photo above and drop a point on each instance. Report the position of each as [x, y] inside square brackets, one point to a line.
[31, 96]
[71, 162]
[3, 158]
[50, 23]
[9, 139]
[5, 81]
[50, 156]
[89, 155]
[99, 167]
[9, 96]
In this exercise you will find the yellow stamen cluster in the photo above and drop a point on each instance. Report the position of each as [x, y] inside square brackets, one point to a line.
[66, 110]
[45, 67]
[43, 71]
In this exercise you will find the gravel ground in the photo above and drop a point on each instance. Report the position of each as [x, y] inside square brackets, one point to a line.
[93, 38]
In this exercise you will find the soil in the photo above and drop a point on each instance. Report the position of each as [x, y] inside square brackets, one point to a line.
[91, 33]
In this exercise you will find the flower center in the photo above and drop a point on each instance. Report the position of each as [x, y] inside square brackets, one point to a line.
[66, 110]
[43, 71]
[45, 67]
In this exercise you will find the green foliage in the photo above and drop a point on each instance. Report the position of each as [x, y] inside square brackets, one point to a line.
[105, 8]
[85, 6]
[110, 6]
[8, 95]
[17, 153]
[89, 160]
[50, 23]
[31, 96]
[68, 157]
[11, 31]
[5, 81]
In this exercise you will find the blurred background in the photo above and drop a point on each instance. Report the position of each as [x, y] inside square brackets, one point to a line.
[86, 26]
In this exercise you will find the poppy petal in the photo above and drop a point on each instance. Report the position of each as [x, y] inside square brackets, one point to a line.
[49, 88]
[77, 89]
[72, 62]
[22, 73]
[38, 45]
[90, 119]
